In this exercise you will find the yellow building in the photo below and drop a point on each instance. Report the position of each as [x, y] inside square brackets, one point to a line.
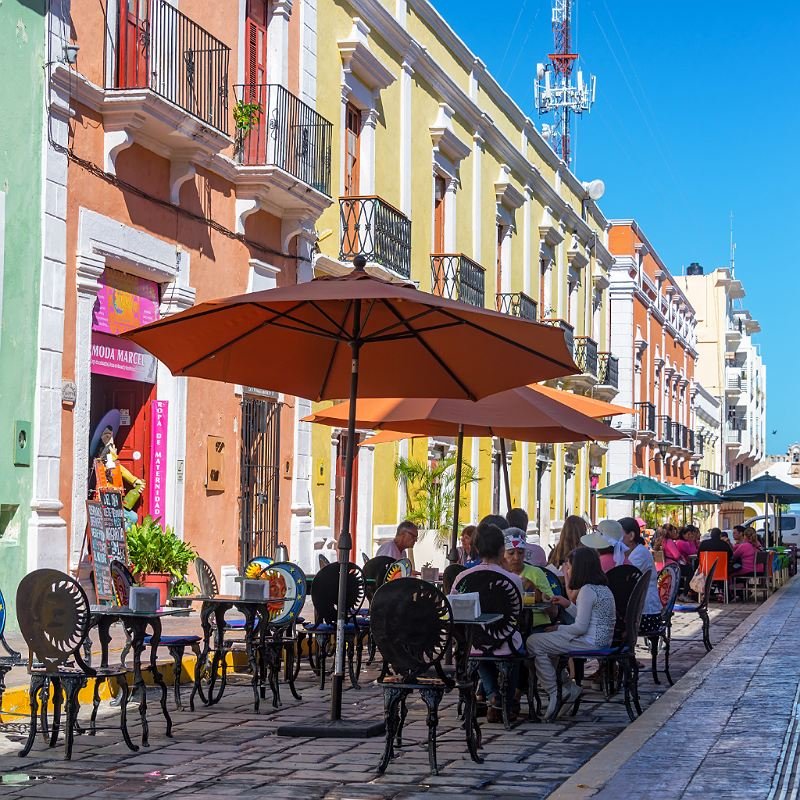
[441, 178]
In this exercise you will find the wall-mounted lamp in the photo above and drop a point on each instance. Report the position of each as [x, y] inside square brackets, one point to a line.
[71, 54]
[663, 447]
[694, 469]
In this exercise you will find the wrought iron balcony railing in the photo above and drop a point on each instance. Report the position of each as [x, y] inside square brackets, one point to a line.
[517, 304]
[455, 276]
[665, 429]
[608, 370]
[169, 53]
[710, 480]
[586, 355]
[569, 331]
[280, 130]
[647, 417]
[373, 228]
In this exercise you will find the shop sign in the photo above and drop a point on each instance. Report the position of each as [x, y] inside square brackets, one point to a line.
[124, 302]
[119, 358]
[157, 488]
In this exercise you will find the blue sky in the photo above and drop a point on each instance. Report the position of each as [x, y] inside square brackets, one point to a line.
[696, 117]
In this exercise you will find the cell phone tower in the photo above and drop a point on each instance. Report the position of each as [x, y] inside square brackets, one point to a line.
[554, 91]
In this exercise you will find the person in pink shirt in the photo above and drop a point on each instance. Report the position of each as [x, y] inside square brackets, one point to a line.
[746, 553]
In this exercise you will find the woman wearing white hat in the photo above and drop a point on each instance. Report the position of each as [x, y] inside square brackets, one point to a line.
[608, 538]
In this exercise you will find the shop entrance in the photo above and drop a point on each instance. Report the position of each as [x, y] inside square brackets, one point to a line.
[132, 440]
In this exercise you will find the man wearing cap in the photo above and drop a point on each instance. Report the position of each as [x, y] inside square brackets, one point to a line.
[608, 539]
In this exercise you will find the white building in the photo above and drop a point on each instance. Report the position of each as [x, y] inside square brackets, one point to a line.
[730, 367]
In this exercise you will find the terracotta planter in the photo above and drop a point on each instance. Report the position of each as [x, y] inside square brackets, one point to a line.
[160, 581]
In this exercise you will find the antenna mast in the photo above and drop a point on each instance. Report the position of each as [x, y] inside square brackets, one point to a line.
[553, 88]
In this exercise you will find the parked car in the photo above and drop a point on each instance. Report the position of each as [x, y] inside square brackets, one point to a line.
[790, 526]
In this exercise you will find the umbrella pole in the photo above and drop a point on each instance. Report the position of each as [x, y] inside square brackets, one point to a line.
[345, 538]
[452, 556]
[505, 473]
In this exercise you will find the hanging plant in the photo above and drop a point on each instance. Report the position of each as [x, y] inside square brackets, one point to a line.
[246, 116]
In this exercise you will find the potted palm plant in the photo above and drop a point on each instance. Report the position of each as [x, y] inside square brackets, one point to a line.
[160, 558]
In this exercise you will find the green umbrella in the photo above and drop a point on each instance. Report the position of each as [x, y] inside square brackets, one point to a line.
[695, 494]
[641, 488]
[768, 487]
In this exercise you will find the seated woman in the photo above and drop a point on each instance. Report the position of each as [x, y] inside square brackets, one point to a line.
[640, 556]
[570, 538]
[533, 578]
[677, 549]
[745, 554]
[490, 544]
[595, 615]
[465, 550]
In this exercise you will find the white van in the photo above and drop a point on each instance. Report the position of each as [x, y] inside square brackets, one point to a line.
[790, 526]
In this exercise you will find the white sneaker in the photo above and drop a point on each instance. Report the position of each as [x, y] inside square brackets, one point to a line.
[551, 707]
[570, 694]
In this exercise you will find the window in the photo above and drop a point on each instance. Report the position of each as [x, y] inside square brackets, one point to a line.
[255, 63]
[352, 132]
[439, 188]
[501, 233]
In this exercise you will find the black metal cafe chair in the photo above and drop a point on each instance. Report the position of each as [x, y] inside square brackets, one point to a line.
[53, 614]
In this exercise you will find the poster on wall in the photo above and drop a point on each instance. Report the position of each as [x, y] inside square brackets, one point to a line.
[124, 302]
[159, 417]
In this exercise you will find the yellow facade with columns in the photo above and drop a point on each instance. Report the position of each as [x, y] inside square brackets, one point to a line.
[440, 178]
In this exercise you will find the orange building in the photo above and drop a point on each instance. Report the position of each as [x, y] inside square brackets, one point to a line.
[185, 162]
[653, 335]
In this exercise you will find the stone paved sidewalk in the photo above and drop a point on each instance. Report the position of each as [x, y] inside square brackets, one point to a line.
[730, 729]
[229, 751]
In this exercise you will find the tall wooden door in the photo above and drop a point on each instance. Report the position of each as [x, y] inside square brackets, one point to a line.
[133, 53]
[341, 452]
[132, 400]
[255, 79]
[355, 234]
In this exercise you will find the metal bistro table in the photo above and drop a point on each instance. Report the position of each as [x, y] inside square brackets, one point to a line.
[136, 624]
[255, 613]
[463, 629]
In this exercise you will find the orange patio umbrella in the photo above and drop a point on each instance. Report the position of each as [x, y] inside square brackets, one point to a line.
[524, 413]
[355, 336]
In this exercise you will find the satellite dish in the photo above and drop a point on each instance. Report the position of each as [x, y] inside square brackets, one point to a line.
[540, 70]
[595, 189]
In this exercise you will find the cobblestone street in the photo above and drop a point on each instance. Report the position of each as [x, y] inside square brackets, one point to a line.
[229, 751]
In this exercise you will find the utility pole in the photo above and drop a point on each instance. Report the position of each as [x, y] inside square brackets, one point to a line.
[554, 91]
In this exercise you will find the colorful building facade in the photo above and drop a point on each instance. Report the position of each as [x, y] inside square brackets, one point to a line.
[21, 56]
[186, 162]
[653, 332]
[441, 179]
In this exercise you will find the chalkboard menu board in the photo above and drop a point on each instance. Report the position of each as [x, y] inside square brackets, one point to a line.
[106, 520]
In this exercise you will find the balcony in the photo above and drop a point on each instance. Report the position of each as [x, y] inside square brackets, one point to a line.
[586, 355]
[665, 432]
[276, 129]
[608, 370]
[517, 304]
[710, 480]
[457, 277]
[168, 86]
[647, 419]
[569, 331]
[734, 434]
[373, 228]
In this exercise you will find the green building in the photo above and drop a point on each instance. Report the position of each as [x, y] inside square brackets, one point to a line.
[22, 60]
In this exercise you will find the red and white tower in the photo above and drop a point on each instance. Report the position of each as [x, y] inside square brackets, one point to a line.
[554, 91]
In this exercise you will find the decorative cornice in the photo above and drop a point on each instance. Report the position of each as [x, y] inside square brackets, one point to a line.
[444, 138]
[360, 61]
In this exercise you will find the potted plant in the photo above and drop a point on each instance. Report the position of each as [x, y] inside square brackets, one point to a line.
[160, 558]
[245, 118]
[429, 573]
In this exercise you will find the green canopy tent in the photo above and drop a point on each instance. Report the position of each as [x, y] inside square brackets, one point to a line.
[761, 489]
[641, 488]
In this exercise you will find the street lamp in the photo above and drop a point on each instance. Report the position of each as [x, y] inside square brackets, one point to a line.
[663, 447]
[694, 469]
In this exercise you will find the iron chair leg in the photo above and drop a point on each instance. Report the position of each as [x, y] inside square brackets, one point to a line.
[432, 698]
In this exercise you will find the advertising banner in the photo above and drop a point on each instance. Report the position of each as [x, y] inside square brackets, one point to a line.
[121, 359]
[157, 487]
[124, 302]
